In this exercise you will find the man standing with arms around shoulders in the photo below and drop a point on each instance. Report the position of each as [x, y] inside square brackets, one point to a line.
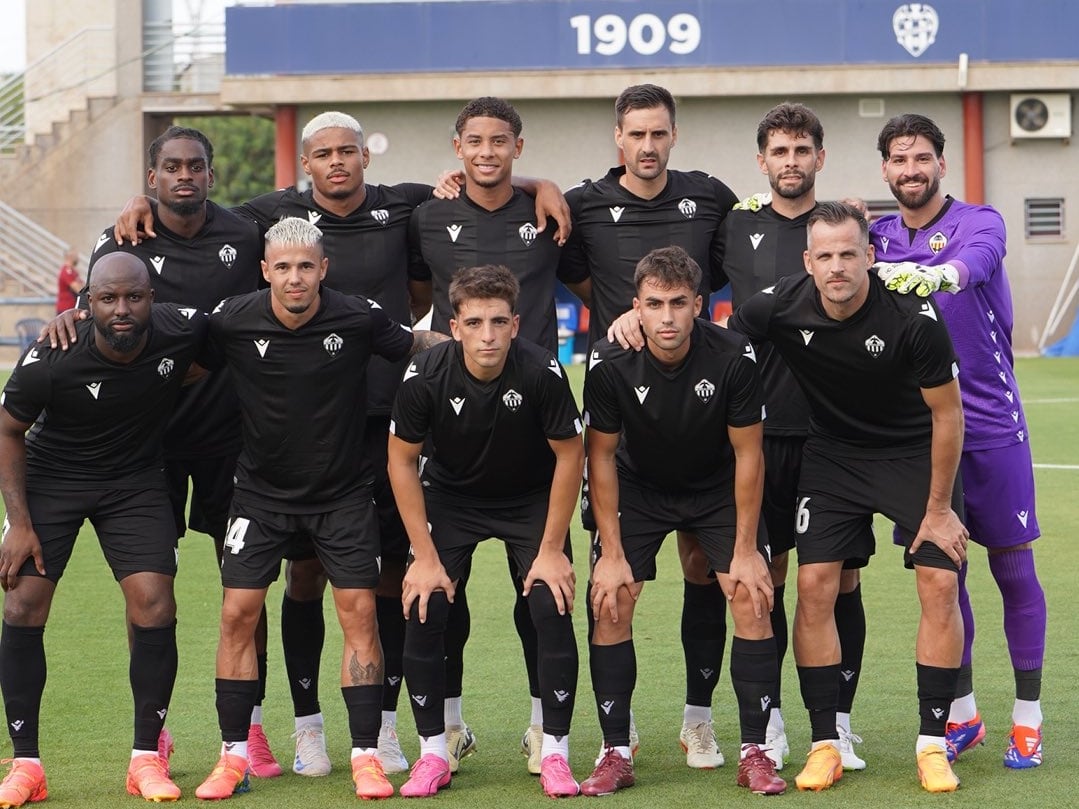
[894, 449]
[692, 396]
[95, 452]
[959, 248]
[301, 480]
[507, 463]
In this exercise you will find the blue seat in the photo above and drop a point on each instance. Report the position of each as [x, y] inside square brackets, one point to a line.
[27, 330]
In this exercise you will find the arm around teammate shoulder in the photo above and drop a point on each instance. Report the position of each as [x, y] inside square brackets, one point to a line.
[941, 524]
[20, 542]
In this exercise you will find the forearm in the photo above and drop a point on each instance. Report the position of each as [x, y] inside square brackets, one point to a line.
[565, 485]
[13, 478]
[408, 493]
[603, 491]
[945, 452]
[748, 493]
[423, 340]
[419, 299]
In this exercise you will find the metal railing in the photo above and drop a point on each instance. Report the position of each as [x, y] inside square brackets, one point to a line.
[182, 59]
[29, 255]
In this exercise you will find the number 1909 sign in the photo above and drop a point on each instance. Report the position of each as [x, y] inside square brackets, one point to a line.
[646, 34]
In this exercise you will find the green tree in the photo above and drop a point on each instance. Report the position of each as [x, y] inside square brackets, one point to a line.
[243, 155]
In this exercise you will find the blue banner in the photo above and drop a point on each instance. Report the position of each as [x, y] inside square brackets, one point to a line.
[493, 35]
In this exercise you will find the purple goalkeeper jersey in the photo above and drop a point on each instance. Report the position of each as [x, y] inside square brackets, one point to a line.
[979, 318]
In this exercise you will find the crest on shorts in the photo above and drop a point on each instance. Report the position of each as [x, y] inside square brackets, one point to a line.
[704, 390]
[528, 233]
[688, 208]
[915, 26]
[381, 215]
[165, 367]
[513, 400]
[333, 344]
[937, 242]
[227, 254]
[875, 346]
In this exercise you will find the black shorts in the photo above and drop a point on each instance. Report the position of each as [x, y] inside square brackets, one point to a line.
[647, 516]
[345, 541]
[211, 492]
[457, 530]
[837, 498]
[134, 528]
[782, 465]
[391, 530]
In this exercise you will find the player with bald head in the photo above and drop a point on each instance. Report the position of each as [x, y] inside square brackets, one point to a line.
[98, 412]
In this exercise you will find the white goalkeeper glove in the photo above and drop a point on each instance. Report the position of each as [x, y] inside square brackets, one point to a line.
[755, 202]
[907, 276]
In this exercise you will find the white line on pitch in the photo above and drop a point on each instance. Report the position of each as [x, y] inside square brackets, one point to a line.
[1049, 401]
[1055, 466]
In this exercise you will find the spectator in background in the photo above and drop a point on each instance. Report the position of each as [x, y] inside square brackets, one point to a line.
[68, 282]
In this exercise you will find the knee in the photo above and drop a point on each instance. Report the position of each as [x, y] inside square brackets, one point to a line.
[849, 580]
[20, 610]
[305, 579]
[817, 589]
[695, 565]
[438, 611]
[239, 617]
[938, 590]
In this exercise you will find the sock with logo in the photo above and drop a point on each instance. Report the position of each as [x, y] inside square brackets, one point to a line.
[526, 631]
[754, 673]
[704, 633]
[364, 706]
[235, 699]
[820, 690]
[303, 630]
[458, 628]
[391, 631]
[936, 688]
[152, 671]
[425, 672]
[780, 633]
[1024, 606]
[614, 676]
[850, 624]
[557, 660]
[22, 680]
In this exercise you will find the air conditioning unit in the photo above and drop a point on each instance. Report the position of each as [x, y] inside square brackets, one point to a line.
[1041, 115]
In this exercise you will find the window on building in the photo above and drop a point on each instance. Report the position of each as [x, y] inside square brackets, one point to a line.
[1043, 218]
[880, 207]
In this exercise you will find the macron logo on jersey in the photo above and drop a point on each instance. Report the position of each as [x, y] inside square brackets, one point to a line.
[769, 290]
[31, 358]
[313, 217]
[749, 353]
[928, 311]
[454, 231]
[188, 313]
[1023, 516]
[410, 372]
[159, 263]
[261, 346]
[1009, 396]
[594, 360]
[555, 368]
[457, 403]
[94, 388]
[104, 237]
[617, 211]
[884, 240]
[755, 239]
[807, 335]
[642, 393]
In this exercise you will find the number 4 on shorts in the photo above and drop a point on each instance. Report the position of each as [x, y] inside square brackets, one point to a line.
[234, 539]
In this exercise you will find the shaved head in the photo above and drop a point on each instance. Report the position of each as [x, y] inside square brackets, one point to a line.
[119, 267]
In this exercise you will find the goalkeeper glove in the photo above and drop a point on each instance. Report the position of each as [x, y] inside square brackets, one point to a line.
[907, 276]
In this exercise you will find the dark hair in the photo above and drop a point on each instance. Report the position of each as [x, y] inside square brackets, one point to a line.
[797, 119]
[668, 267]
[836, 213]
[910, 125]
[175, 132]
[490, 107]
[643, 97]
[486, 282]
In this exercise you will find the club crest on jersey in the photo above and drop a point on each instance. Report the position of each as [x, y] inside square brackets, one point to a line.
[261, 346]
[875, 346]
[454, 231]
[94, 388]
[528, 233]
[381, 215]
[333, 344]
[227, 254]
[313, 217]
[513, 400]
[159, 263]
[755, 239]
[915, 26]
[457, 403]
[884, 242]
[642, 393]
[616, 212]
[688, 208]
[104, 237]
[704, 390]
[165, 367]
[937, 242]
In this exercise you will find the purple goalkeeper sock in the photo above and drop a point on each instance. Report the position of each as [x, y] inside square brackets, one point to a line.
[1024, 606]
[968, 617]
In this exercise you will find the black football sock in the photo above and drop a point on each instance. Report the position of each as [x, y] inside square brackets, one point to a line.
[303, 630]
[820, 688]
[779, 630]
[936, 690]
[704, 633]
[425, 670]
[235, 699]
[522, 620]
[850, 623]
[22, 680]
[754, 675]
[458, 627]
[557, 660]
[364, 705]
[614, 676]
[153, 673]
[391, 631]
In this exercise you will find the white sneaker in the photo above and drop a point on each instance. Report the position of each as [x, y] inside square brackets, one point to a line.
[776, 746]
[847, 740]
[389, 750]
[634, 739]
[699, 743]
[311, 758]
[532, 746]
[460, 743]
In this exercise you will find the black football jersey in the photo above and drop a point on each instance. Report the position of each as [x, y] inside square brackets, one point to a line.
[490, 438]
[450, 234]
[613, 229]
[220, 261]
[303, 396]
[674, 422]
[862, 376]
[368, 253]
[99, 423]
